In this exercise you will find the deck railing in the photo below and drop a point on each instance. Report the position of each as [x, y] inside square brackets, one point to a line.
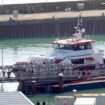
[48, 71]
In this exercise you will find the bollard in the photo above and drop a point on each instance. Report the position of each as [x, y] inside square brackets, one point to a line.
[74, 91]
[23, 86]
[33, 87]
[60, 80]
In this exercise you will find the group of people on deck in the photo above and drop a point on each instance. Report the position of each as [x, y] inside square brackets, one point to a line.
[5, 73]
[83, 74]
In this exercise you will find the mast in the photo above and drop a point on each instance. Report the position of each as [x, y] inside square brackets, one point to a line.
[80, 31]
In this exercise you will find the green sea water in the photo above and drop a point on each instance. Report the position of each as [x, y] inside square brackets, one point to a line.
[21, 49]
[50, 98]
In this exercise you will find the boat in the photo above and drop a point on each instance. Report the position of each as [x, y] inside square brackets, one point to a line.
[77, 51]
[74, 59]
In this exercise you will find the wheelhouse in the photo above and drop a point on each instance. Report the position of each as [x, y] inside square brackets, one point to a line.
[73, 45]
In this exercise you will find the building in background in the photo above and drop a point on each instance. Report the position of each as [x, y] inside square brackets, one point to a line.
[36, 6]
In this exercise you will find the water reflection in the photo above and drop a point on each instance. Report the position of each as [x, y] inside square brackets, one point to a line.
[12, 55]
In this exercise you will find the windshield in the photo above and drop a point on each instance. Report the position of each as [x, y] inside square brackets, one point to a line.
[75, 47]
[62, 46]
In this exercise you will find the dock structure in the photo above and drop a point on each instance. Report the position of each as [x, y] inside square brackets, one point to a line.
[54, 24]
[55, 78]
[51, 19]
[48, 73]
[14, 98]
[54, 15]
[39, 6]
[81, 99]
[34, 72]
[52, 77]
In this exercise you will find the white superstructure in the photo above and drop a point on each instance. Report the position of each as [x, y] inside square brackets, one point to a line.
[76, 51]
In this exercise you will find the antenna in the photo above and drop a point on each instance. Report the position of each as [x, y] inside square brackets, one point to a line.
[94, 25]
[79, 28]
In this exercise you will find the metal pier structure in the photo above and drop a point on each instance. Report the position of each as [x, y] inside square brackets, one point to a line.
[34, 72]
[55, 77]
[47, 72]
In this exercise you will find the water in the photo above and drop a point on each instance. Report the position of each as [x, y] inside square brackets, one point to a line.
[13, 51]
[50, 98]
[22, 49]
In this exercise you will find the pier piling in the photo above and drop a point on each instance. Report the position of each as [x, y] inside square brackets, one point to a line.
[23, 87]
[33, 87]
[60, 81]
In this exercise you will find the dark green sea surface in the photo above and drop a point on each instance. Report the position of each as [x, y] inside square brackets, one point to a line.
[50, 98]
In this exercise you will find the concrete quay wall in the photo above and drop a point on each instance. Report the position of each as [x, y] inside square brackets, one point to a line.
[54, 24]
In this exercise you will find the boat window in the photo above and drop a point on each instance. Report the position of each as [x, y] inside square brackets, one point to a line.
[65, 47]
[81, 46]
[77, 61]
[56, 46]
[88, 46]
[85, 46]
[76, 47]
[62, 46]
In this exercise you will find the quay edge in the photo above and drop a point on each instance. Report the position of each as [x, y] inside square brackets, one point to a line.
[51, 27]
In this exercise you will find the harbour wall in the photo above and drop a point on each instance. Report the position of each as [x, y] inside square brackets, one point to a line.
[55, 27]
